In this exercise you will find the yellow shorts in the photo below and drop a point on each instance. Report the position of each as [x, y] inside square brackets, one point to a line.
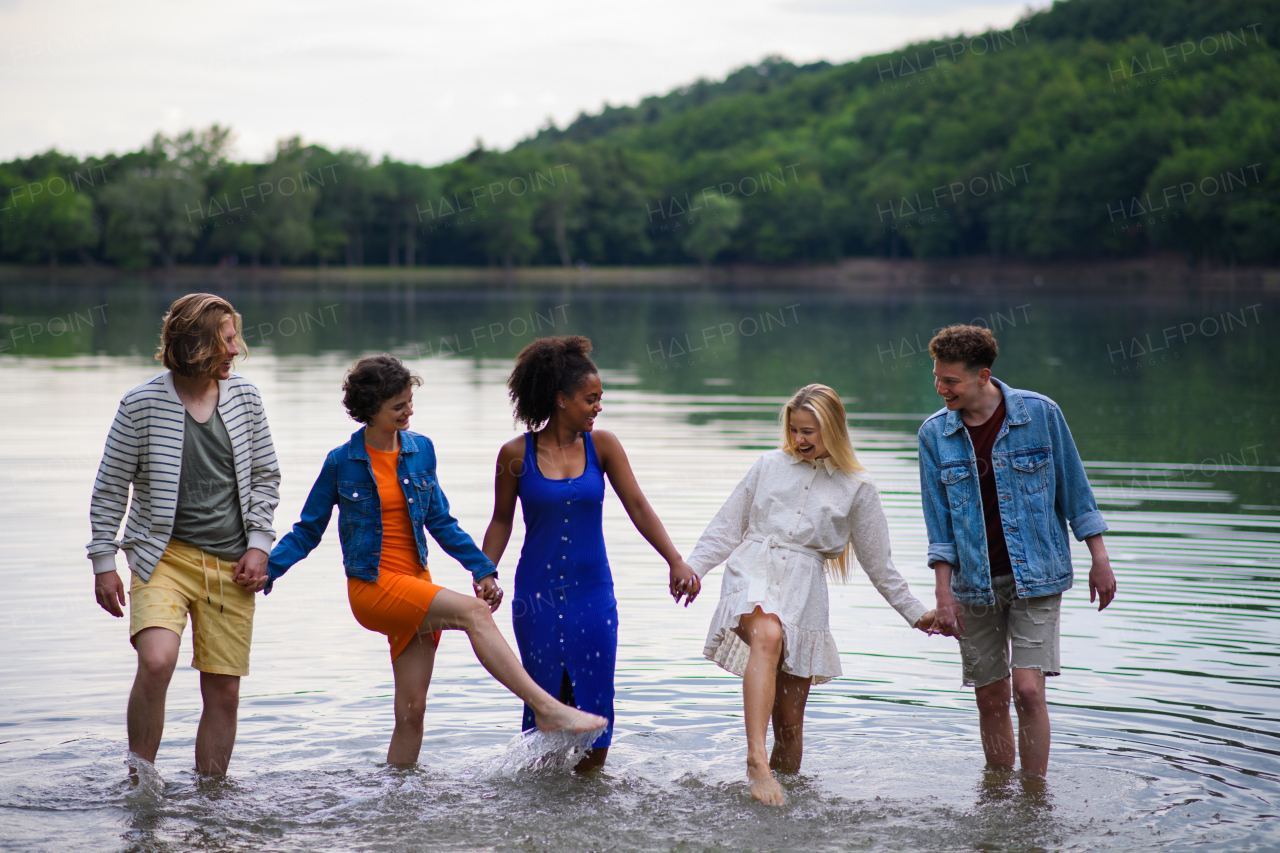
[188, 579]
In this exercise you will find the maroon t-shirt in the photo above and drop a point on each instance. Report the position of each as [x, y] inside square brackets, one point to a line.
[983, 438]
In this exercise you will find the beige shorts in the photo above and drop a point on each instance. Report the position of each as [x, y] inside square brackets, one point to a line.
[1021, 633]
[188, 580]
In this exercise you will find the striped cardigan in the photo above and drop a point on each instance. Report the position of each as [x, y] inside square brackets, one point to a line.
[144, 448]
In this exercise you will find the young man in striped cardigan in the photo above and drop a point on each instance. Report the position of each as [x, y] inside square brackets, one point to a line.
[193, 443]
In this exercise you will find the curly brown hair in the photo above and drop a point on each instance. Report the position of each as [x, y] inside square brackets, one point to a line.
[974, 346]
[544, 368]
[372, 381]
[191, 339]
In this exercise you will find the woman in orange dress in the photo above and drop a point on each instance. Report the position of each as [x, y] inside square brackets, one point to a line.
[384, 483]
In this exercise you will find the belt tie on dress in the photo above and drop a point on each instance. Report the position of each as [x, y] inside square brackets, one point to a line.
[758, 573]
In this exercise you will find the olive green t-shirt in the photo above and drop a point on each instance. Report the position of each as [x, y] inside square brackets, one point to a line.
[208, 511]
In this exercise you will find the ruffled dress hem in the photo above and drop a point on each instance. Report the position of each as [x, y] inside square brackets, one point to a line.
[806, 653]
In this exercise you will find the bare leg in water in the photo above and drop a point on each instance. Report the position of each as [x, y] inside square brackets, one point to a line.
[216, 736]
[788, 722]
[996, 726]
[763, 633]
[595, 757]
[412, 668]
[454, 611]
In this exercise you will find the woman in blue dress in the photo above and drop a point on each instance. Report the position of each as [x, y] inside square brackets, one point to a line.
[564, 611]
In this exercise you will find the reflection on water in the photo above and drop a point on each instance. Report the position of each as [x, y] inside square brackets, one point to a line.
[1165, 728]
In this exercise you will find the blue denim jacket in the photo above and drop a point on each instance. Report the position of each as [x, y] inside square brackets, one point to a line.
[347, 481]
[1041, 484]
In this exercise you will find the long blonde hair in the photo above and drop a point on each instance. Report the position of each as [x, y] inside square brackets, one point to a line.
[824, 404]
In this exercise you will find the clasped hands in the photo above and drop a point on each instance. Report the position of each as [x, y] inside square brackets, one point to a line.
[250, 570]
[487, 589]
[684, 581]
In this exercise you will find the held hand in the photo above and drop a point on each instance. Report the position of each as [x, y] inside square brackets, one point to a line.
[487, 588]
[109, 590]
[1102, 582]
[925, 622]
[251, 570]
[684, 581]
[947, 619]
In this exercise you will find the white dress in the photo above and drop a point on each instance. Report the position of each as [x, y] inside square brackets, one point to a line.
[781, 523]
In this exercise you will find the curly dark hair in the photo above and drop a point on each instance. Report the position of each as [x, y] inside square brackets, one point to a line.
[975, 346]
[372, 381]
[544, 368]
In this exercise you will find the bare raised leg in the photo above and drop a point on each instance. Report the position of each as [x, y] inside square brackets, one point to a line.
[157, 656]
[788, 722]
[412, 668]
[216, 735]
[453, 611]
[763, 633]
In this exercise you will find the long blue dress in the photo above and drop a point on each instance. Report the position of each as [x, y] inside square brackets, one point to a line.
[564, 613]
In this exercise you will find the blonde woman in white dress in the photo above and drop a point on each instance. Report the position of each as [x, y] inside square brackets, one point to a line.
[799, 513]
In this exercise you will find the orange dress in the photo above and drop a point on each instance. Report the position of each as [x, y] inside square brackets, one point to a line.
[395, 603]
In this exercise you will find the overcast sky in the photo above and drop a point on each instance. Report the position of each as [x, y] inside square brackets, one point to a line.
[420, 81]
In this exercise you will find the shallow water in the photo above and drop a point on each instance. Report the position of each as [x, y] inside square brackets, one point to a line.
[1165, 725]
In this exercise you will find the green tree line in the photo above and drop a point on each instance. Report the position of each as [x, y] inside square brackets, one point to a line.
[1092, 129]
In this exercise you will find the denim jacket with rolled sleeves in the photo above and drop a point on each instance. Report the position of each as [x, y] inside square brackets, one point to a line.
[1041, 485]
[347, 481]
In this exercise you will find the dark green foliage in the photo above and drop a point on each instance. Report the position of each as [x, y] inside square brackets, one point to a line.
[1164, 21]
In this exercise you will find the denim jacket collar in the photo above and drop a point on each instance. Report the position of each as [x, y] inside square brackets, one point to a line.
[1015, 410]
[356, 449]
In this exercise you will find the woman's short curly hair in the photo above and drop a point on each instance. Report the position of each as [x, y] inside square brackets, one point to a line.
[372, 381]
[544, 368]
[974, 346]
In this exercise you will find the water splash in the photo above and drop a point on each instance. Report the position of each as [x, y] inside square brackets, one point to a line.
[536, 750]
[146, 785]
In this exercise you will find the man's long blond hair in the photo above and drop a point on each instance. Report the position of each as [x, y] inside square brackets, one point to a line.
[824, 403]
[191, 341]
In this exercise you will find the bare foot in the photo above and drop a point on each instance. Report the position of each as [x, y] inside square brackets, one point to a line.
[763, 786]
[567, 719]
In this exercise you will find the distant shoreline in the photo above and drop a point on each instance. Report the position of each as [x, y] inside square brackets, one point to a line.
[851, 275]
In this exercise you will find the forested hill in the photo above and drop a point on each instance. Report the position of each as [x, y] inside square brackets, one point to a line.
[1093, 129]
[1163, 21]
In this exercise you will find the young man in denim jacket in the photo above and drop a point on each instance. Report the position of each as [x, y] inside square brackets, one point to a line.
[1000, 479]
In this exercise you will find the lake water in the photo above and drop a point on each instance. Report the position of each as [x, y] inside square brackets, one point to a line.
[1165, 717]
